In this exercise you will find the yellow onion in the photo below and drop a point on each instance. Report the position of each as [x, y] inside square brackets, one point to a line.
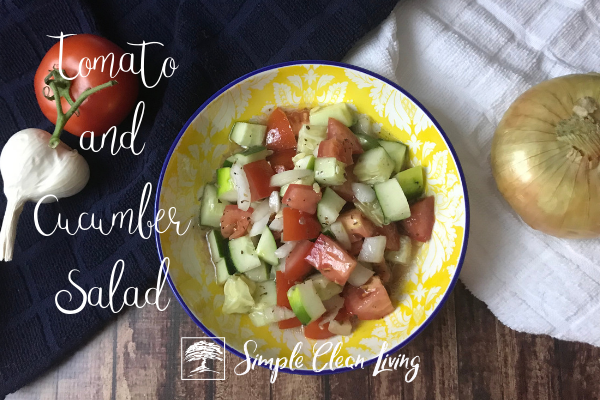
[546, 156]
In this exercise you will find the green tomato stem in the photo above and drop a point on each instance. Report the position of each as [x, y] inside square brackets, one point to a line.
[62, 117]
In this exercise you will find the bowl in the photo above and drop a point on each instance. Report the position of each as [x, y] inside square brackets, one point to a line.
[203, 144]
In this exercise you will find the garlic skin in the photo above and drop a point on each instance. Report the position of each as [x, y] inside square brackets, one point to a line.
[546, 156]
[31, 170]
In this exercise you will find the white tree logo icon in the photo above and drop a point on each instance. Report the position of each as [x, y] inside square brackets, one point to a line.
[202, 351]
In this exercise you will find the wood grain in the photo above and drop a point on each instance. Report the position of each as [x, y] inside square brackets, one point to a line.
[479, 368]
[465, 353]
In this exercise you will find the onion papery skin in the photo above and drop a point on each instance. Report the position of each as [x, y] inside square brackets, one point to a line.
[553, 186]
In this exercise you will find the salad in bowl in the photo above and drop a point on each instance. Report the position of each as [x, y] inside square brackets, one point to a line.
[307, 219]
[326, 206]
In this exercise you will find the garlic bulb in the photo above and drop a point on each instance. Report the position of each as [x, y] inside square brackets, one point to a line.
[546, 156]
[31, 170]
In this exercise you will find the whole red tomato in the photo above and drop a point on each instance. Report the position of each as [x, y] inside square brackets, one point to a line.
[102, 109]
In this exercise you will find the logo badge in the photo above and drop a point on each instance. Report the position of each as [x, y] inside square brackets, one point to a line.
[202, 359]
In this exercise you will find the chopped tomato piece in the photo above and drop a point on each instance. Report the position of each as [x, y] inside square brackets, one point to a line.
[392, 236]
[331, 260]
[282, 285]
[298, 118]
[341, 149]
[342, 315]
[235, 222]
[296, 267]
[357, 225]
[419, 226]
[289, 323]
[369, 301]
[335, 129]
[299, 225]
[383, 271]
[301, 197]
[345, 190]
[280, 135]
[259, 175]
[314, 331]
[282, 160]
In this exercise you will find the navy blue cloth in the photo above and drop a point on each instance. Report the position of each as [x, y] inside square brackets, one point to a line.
[213, 42]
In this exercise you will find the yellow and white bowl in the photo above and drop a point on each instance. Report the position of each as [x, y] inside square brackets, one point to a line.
[203, 144]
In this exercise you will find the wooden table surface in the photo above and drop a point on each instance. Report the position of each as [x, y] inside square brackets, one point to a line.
[465, 353]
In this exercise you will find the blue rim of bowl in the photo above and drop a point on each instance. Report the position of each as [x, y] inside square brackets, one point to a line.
[458, 167]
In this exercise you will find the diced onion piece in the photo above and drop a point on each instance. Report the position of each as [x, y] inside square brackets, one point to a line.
[298, 157]
[286, 249]
[281, 265]
[240, 182]
[333, 305]
[360, 275]
[261, 210]
[277, 223]
[259, 226]
[316, 187]
[282, 313]
[344, 328]
[274, 202]
[285, 177]
[363, 192]
[316, 151]
[372, 249]
[338, 230]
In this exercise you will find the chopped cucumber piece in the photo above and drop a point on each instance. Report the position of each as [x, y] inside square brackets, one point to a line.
[329, 207]
[402, 256]
[222, 271]
[306, 162]
[305, 302]
[324, 287]
[362, 125]
[340, 111]
[266, 247]
[374, 166]
[247, 135]
[371, 210]
[225, 188]
[243, 254]
[392, 200]
[265, 294]
[310, 136]
[329, 171]
[412, 182]
[367, 142]
[259, 274]
[211, 210]
[217, 245]
[397, 151]
[252, 154]
[238, 296]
